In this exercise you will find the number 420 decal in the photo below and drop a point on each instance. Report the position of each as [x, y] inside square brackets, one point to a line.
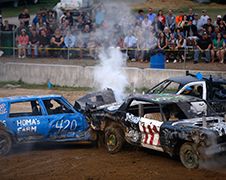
[66, 125]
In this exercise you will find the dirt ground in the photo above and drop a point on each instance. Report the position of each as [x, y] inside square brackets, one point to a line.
[85, 161]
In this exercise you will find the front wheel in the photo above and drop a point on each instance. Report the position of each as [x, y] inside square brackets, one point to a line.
[114, 139]
[189, 156]
[5, 143]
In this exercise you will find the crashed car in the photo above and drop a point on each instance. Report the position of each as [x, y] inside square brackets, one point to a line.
[179, 125]
[28, 119]
[209, 88]
[97, 98]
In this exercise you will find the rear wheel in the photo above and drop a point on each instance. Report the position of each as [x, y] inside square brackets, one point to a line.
[114, 139]
[189, 156]
[5, 143]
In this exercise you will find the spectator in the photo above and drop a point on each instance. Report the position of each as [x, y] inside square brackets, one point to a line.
[33, 44]
[184, 22]
[208, 24]
[190, 30]
[214, 34]
[92, 45]
[179, 18]
[130, 43]
[140, 16]
[204, 18]
[43, 43]
[146, 24]
[180, 46]
[69, 41]
[172, 48]
[57, 41]
[163, 44]
[24, 17]
[217, 22]
[190, 15]
[171, 20]
[99, 16]
[151, 15]
[222, 26]
[203, 46]
[161, 20]
[8, 27]
[218, 48]
[39, 15]
[68, 16]
[197, 22]
[22, 41]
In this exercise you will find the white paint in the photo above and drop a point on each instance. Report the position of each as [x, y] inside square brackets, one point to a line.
[27, 122]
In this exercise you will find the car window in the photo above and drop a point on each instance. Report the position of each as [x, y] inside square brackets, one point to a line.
[145, 109]
[28, 108]
[55, 106]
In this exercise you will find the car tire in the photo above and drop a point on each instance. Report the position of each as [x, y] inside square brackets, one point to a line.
[5, 143]
[189, 156]
[114, 139]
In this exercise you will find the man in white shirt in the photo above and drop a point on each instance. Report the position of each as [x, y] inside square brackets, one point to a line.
[130, 43]
[204, 18]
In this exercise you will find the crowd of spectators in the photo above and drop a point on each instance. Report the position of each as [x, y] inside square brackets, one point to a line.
[83, 33]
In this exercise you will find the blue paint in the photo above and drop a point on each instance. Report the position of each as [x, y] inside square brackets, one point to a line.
[29, 127]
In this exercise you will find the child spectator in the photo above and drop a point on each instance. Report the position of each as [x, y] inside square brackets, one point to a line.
[218, 48]
[22, 41]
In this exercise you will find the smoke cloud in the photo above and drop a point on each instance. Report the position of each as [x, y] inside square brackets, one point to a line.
[110, 74]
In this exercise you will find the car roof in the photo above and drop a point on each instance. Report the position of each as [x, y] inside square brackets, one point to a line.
[165, 98]
[187, 79]
[184, 79]
[25, 98]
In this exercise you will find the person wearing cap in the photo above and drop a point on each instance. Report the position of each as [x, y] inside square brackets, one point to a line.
[218, 48]
[197, 22]
[22, 41]
[218, 19]
[204, 17]
[203, 46]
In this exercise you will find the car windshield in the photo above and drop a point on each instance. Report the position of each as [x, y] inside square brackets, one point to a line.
[166, 86]
[187, 110]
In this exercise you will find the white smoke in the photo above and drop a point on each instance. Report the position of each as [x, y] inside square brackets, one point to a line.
[110, 74]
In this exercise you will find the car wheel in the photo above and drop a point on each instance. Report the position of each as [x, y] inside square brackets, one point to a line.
[5, 143]
[114, 139]
[189, 156]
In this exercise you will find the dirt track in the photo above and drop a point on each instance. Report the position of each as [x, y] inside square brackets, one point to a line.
[85, 161]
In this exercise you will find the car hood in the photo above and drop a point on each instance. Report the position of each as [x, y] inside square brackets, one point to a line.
[214, 123]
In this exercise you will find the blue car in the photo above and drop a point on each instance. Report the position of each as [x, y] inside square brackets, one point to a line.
[28, 119]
